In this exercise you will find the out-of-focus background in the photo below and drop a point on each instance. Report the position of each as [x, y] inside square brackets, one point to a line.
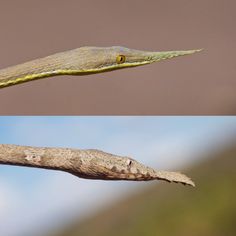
[44, 202]
[202, 83]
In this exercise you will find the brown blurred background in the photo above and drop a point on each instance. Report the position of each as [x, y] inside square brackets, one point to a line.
[203, 83]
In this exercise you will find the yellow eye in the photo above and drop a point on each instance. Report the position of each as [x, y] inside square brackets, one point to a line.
[120, 59]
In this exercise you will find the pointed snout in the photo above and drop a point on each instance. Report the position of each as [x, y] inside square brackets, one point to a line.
[138, 58]
[158, 56]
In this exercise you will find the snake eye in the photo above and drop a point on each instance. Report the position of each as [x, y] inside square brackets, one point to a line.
[120, 59]
[129, 162]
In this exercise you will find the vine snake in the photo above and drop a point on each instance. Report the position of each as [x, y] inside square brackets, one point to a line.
[82, 61]
[88, 164]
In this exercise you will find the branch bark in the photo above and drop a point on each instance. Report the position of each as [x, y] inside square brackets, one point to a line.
[89, 164]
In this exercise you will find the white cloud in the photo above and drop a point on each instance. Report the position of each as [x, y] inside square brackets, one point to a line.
[10, 203]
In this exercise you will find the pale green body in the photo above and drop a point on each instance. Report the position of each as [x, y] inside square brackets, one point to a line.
[81, 61]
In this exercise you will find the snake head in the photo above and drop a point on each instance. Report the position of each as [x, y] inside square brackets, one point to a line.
[95, 164]
[101, 59]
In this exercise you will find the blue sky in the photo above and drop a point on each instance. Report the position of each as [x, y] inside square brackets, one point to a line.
[42, 195]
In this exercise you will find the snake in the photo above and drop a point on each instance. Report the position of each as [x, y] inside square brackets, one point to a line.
[86, 163]
[83, 61]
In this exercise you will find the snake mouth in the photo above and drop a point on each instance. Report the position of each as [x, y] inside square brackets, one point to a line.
[133, 171]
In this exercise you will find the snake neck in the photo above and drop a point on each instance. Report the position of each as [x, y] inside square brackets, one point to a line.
[47, 158]
[58, 64]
